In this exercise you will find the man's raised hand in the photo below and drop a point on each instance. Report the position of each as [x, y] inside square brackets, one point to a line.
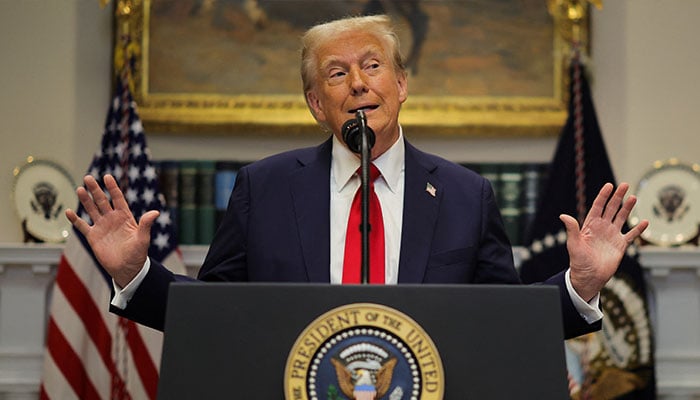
[118, 241]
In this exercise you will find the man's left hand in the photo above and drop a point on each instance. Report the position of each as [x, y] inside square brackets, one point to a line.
[596, 248]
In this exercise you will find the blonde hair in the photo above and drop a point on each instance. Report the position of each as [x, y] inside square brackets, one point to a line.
[377, 25]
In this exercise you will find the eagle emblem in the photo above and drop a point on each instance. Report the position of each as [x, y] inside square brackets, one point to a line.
[671, 204]
[46, 195]
[362, 383]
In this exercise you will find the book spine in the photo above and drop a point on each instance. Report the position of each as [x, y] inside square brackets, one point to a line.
[511, 177]
[206, 209]
[530, 194]
[188, 202]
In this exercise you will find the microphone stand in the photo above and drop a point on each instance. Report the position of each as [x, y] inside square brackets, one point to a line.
[364, 179]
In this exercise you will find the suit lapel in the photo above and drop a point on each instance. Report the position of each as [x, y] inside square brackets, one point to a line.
[420, 210]
[311, 196]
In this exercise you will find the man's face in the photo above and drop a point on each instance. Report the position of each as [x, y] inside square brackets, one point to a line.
[354, 72]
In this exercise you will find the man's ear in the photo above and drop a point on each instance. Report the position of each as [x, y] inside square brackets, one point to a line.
[402, 83]
[315, 106]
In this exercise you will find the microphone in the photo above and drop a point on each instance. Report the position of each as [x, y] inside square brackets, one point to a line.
[360, 138]
[352, 132]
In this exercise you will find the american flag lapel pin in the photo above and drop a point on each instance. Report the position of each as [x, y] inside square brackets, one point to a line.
[430, 189]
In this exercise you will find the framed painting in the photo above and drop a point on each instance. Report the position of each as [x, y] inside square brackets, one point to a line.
[476, 67]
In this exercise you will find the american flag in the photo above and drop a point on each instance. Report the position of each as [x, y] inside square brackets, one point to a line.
[91, 353]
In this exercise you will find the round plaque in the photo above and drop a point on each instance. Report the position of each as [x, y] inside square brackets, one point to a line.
[669, 197]
[42, 191]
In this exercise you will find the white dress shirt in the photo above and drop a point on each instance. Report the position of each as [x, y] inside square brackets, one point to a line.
[389, 189]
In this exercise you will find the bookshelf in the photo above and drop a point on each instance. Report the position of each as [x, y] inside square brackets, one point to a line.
[197, 193]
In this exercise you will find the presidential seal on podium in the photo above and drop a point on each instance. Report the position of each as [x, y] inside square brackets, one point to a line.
[364, 351]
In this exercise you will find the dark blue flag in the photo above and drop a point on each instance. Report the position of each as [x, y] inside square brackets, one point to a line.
[616, 362]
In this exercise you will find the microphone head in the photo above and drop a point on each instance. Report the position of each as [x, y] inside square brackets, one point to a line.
[352, 135]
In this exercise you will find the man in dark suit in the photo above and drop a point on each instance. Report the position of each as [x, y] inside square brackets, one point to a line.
[287, 217]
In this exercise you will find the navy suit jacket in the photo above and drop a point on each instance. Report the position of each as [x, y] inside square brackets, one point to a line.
[277, 229]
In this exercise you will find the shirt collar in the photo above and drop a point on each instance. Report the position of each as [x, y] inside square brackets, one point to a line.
[391, 164]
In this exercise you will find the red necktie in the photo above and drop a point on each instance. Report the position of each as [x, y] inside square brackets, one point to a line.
[352, 262]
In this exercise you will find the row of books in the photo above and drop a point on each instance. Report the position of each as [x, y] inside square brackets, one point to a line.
[197, 194]
[517, 187]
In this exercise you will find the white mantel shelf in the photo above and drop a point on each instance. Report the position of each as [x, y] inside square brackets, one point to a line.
[27, 272]
[661, 260]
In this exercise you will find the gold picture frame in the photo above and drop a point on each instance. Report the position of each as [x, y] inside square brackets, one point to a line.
[152, 34]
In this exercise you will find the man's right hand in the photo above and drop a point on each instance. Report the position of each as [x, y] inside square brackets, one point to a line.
[118, 241]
